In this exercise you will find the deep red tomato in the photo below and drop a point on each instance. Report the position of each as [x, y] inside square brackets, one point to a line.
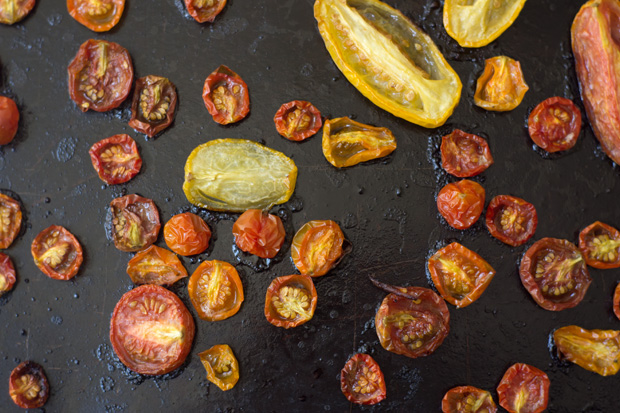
[594, 350]
[555, 273]
[9, 119]
[461, 203]
[459, 274]
[116, 159]
[298, 120]
[151, 330]
[10, 220]
[97, 15]
[226, 96]
[204, 10]
[154, 105]
[414, 328]
[100, 75]
[361, 380]
[554, 124]
[187, 234]
[12, 11]
[600, 245]
[464, 154]
[511, 220]
[259, 233]
[317, 247]
[468, 399]
[524, 389]
[215, 290]
[155, 265]
[28, 385]
[290, 301]
[616, 302]
[135, 222]
[221, 365]
[57, 253]
[7, 274]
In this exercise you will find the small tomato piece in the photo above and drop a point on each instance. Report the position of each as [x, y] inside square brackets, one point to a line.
[511, 220]
[468, 399]
[554, 124]
[10, 220]
[12, 11]
[594, 350]
[9, 119]
[155, 265]
[600, 245]
[187, 234]
[154, 105]
[317, 247]
[215, 290]
[290, 301]
[97, 15]
[226, 96]
[221, 365]
[28, 385]
[501, 86]
[204, 10]
[259, 233]
[7, 274]
[461, 203]
[361, 380]
[616, 302]
[465, 155]
[298, 120]
[57, 253]
[134, 221]
[116, 159]
[524, 389]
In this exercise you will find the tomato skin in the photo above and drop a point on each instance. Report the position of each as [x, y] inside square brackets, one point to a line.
[461, 203]
[153, 106]
[226, 96]
[28, 385]
[7, 274]
[317, 247]
[595, 350]
[523, 383]
[14, 14]
[465, 155]
[98, 16]
[57, 253]
[616, 302]
[457, 400]
[155, 265]
[203, 11]
[221, 365]
[600, 245]
[215, 290]
[187, 234]
[259, 233]
[361, 380]
[116, 159]
[290, 301]
[135, 222]
[10, 211]
[554, 124]
[511, 220]
[298, 120]
[501, 86]
[9, 120]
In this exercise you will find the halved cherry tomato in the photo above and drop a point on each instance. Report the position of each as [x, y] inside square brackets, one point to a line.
[204, 10]
[465, 155]
[468, 399]
[10, 220]
[28, 385]
[524, 389]
[12, 11]
[9, 119]
[459, 274]
[221, 365]
[226, 96]
[600, 245]
[290, 301]
[100, 75]
[298, 120]
[461, 203]
[259, 233]
[361, 380]
[554, 124]
[594, 350]
[154, 105]
[187, 234]
[616, 302]
[116, 159]
[57, 253]
[555, 274]
[412, 327]
[97, 15]
[501, 86]
[317, 247]
[215, 290]
[155, 265]
[151, 330]
[511, 220]
[7, 274]
[135, 222]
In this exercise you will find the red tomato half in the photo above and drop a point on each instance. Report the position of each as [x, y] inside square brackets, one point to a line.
[97, 15]
[524, 389]
[57, 253]
[461, 203]
[259, 233]
[468, 399]
[317, 247]
[187, 234]
[215, 290]
[10, 220]
[9, 119]
[290, 301]
[204, 10]
[616, 302]
[464, 154]
[600, 245]
[12, 11]
[116, 159]
[226, 96]
[135, 222]
[154, 105]
[28, 385]
[361, 380]
[554, 124]
[298, 120]
[511, 220]
[7, 274]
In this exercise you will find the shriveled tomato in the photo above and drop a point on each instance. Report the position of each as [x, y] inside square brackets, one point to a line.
[298, 120]
[524, 389]
[9, 119]
[616, 302]
[468, 399]
[7, 274]
[187, 234]
[290, 301]
[317, 247]
[151, 330]
[412, 323]
[461, 203]
[501, 86]
[511, 220]
[116, 159]
[221, 366]
[259, 233]
[57, 253]
[10, 220]
[12, 11]
[226, 96]
[464, 154]
[100, 75]
[204, 10]
[600, 245]
[155, 265]
[28, 385]
[361, 380]
[555, 274]
[135, 222]
[215, 290]
[154, 105]
[97, 15]
[594, 350]
[459, 274]
[554, 124]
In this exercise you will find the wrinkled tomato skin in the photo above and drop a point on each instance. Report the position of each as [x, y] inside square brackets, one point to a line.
[153, 106]
[206, 13]
[362, 381]
[22, 9]
[98, 16]
[9, 119]
[221, 365]
[296, 288]
[461, 203]
[317, 247]
[555, 124]
[215, 290]
[553, 265]
[465, 155]
[226, 96]
[456, 400]
[616, 302]
[523, 383]
[595, 350]
[501, 86]
[57, 253]
[187, 234]
[11, 211]
[155, 265]
[426, 322]
[259, 233]
[135, 222]
[116, 159]
[28, 385]
[298, 120]
[511, 220]
[7, 274]
[600, 245]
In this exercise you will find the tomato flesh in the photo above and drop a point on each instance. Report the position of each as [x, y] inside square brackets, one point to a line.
[290, 301]
[298, 120]
[204, 10]
[465, 155]
[468, 399]
[97, 15]
[12, 11]
[153, 106]
[226, 96]
[317, 247]
[594, 350]
[7, 274]
[524, 389]
[511, 220]
[187, 234]
[259, 233]
[616, 302]
[215, 290]
[155, 265]
[28, 385]
[501, 86]
[9, 120]
[461, 203]
[57, 253]
[221, 365]
[135, 222]
[361, 380]
[10, 220]
[554, 124]
[116, 159]
[600, 245]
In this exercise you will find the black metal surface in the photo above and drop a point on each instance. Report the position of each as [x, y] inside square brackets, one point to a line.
[386, 209]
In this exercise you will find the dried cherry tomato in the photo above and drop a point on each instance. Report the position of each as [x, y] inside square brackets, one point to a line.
[511, 220]
[97, 15]
[465, 155]
[226, 96]
[154, 105]
[204, 10]
[10, 220]
[259, 233]
[12, 11]
[221, 365]
[298, 120]
[57, 253]
[461, 203]
[7, 274]
[501, 86]
[468, 399]
[524, 389]
[215, 290]
[135, 222]
[155, 265]
[28, 385]
[616, 302]
[9, 119]
[187, 234]
[116, 159]
[290, 300]
[361, 380]
[317, 247]
[554, 124]
[600, 245]
[595, 350]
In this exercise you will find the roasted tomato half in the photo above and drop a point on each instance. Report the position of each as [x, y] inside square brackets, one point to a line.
[100, 75]
[187, 234]
[317, 247]
[524, 389]
[555, 273]
[155, 265]
[600, 245]
[298, 120]
[57, 253]
[259, 233]
[464, 154]
[414, 328]
[554, 124]
[28, 385]
[221, 366]
[594, 350]
[459, 274]
[461, 203]
[116, 159]
[361, 380]
[7, 274]
[501, 86]
[511, 220]
[154, 105]
[12, 11]
[215, 290]
[151, 330]
[10, 220]
[226, 96]
[204, 10]
[468, 399]
[135, 222]
[290, 301]
[97, 15]
[9, 120]
[616, 302]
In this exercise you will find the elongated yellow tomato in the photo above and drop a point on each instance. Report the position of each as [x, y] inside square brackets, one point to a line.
[476, 23]
[237, 174]
[389, 59]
